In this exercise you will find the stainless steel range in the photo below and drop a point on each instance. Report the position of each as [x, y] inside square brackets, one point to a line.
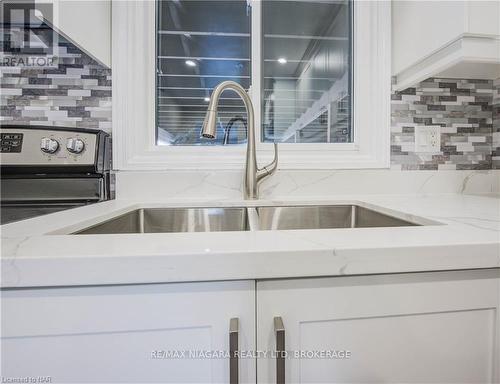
[50, 169]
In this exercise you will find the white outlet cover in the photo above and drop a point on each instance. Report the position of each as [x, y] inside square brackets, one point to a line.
[428, 138]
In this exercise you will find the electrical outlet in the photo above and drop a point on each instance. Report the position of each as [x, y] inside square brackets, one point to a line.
[428, 138]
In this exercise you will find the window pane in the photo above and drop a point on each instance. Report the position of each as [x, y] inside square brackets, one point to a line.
[200, 44]
[306, 67]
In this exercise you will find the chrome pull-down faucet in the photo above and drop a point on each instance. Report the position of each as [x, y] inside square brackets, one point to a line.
[253, 175]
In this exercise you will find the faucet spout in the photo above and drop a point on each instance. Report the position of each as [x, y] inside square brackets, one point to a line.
[253, 175]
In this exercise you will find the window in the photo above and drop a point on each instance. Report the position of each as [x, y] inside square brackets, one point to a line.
[318, 73]
[306, 66]
[305, 69]
[200, 44]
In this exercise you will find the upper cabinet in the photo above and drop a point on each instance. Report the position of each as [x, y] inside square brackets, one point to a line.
[86, 23]
[457, 39]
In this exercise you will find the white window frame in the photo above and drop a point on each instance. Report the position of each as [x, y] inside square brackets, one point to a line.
[133, 71]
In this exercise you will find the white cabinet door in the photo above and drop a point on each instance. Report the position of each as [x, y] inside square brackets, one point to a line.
[123, 334]
[86, 23]
[421, 328]
[459, 40]
[445, 22]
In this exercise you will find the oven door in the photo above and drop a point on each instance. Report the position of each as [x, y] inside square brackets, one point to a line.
[24, 198]
[15, 212]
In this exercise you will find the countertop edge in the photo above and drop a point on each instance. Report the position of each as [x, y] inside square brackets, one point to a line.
[156, 269]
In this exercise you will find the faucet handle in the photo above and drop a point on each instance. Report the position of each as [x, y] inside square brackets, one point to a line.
[270, 168]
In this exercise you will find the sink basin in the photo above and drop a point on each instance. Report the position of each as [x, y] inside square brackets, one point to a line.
[156, 220]
[325, 216]
[151, 220]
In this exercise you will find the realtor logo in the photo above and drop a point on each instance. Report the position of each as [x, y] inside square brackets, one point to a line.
[28, 39]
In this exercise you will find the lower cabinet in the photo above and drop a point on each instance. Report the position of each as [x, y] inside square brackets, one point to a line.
[122, 334]
[439, 327]
[422, 328]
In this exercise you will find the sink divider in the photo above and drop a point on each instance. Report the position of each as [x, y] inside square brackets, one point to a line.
[253, 218]
[141, 220]
[353, 216]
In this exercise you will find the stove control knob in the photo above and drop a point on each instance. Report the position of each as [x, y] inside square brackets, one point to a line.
[49, 145]
[75, 146]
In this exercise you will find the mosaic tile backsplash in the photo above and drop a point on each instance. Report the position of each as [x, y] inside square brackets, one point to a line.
[75, 93]
[467, 112]
[496, 126]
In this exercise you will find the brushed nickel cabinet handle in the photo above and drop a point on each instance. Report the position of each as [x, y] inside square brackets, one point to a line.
[279, 332]
[233, 348]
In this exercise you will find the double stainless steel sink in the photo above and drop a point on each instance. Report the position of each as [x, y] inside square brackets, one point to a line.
[158, 220]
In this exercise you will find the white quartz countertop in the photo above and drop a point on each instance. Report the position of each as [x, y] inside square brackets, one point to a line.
[40, 252]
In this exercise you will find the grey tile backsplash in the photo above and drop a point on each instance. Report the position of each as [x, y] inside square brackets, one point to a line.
[75, 93]
[467, 112]
[496, 125]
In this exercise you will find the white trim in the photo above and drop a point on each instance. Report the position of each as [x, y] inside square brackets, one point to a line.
[134, 41]
[466, 48]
